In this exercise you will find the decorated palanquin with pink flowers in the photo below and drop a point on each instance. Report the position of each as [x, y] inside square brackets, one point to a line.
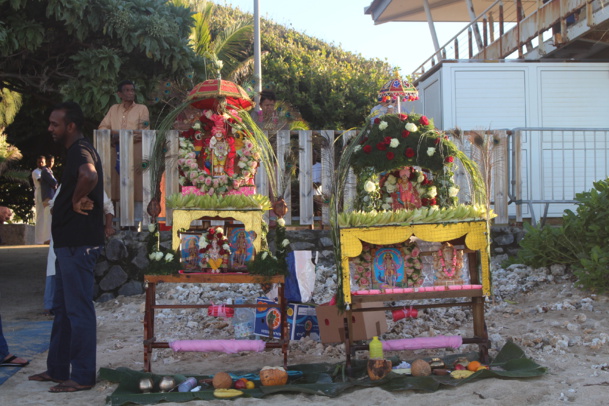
[220, 151]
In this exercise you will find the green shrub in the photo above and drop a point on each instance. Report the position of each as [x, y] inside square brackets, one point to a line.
[581, 242]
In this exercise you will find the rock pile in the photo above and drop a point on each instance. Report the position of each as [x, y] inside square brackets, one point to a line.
[539, 309]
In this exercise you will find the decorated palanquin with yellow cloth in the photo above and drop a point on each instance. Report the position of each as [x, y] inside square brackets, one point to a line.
[407, 232]
[474, 236]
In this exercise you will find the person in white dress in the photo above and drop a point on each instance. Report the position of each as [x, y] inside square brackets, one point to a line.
[42, 229]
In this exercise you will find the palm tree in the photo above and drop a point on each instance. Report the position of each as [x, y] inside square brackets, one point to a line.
[225, 51]
[9, 154]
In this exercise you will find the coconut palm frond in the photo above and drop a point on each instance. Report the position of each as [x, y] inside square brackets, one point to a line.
[267, 153]
[17, 175]
[337, 194]
[157, 160]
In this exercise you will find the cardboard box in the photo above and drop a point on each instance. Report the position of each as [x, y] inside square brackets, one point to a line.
[365, 324]
[302, 321]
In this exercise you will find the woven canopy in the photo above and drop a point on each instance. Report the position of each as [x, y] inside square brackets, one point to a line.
[212, 93]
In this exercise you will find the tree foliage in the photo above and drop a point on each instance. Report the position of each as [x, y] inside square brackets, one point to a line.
[332, 88]
[79, 50]
[580, 242]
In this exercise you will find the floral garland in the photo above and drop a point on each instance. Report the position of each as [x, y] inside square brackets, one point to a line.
[217, 234]
[248, 156]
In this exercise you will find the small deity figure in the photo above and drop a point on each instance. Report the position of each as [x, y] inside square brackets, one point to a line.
[448, 265]
[214, 258]
[219, 148]
[406, 197]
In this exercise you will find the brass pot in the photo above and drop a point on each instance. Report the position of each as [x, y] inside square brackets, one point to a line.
[146, 385]
[167, 384]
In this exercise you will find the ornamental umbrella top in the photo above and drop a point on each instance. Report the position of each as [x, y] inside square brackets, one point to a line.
[215, 93]
[398, 89]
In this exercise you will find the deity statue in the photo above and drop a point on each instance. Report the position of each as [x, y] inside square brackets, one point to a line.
[219, 151]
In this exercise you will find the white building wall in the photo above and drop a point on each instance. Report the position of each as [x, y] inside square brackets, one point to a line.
[476, 96]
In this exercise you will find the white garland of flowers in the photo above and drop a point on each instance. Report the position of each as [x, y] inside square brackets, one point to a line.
[248, 158]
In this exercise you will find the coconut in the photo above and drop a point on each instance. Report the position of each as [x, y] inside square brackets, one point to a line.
[222, 380]
[420, 368]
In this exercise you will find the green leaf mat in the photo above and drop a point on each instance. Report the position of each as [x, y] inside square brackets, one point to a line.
[315, 379]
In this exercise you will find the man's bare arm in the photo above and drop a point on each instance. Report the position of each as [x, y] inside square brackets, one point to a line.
[87, 179]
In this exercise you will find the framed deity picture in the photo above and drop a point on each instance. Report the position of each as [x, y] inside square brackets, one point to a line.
[241, 246]
[189, 251]
[386, 267]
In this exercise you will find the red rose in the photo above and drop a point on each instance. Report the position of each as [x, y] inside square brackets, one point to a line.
[368, 149]
[437, 141]
[377, 121]
[363, 141]
[390, 155]
[423, 120]
[219, 236]
[409, 152]
[381, 146]
[432, 202]
[212, 231]
[405, 133]
[425, 201]
[387, 140]
[403, 117]
[413, 176]
[449, 159]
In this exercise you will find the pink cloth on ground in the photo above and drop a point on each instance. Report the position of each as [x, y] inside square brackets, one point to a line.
[226, 346]
[423, 342]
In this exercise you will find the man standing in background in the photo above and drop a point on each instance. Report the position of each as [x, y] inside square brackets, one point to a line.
[78, 236]
[42, 230]
[127, 115]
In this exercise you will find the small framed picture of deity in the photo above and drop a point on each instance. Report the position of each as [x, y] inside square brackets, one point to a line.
[241, 246]
[189, 251]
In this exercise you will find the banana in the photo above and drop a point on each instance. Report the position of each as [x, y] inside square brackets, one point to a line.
[227, 393]
[461, 374]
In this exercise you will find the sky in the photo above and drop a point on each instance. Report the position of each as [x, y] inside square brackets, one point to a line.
[405, 45]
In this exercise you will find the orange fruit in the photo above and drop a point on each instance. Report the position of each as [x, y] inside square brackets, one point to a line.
[473, 366]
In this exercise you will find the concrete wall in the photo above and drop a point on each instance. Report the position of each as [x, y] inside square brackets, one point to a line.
[17, 234]
[123, 263]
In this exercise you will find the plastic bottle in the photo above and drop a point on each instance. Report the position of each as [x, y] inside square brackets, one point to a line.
[376, 349]
[243, 322]
[187, 385]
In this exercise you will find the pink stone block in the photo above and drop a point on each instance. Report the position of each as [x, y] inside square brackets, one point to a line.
[455, 287]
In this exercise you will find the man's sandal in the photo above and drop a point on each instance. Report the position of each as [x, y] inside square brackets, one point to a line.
[68, 387]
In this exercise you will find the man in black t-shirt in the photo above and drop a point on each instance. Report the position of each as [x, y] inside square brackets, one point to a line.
[78, 235]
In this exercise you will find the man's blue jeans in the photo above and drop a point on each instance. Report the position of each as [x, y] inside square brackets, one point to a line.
[72, 351]
[3, 345]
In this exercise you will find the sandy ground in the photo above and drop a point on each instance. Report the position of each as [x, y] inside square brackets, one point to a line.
[558, 325]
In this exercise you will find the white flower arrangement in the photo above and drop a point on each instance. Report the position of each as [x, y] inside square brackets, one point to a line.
[383, 124]
[369, 186]
[285, 243]
[281, 222]
[431, 151]
[412, 127]
[393, 144]
[453, 191]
